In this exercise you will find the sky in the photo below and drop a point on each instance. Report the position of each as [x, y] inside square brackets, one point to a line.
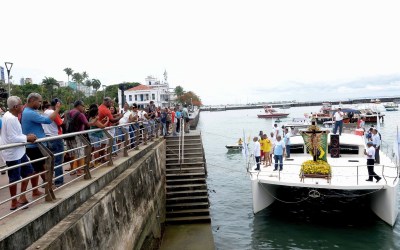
[225, 51]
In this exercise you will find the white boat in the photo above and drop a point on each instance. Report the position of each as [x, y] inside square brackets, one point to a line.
[391, 106]
[348, 176]
[234, 146]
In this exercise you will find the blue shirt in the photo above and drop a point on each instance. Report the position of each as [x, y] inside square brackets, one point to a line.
[287, 139]
[31, 122]
[178, 114]
[279, 146]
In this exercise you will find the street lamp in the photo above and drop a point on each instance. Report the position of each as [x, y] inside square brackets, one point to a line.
[104, 91]
[8, 67]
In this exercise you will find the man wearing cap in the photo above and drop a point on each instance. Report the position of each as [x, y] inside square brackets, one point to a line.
[370, 153]
[31, 122]
[56, 146]
[79, 124]
[338, 116]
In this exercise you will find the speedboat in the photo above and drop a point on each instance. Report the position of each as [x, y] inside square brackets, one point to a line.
[272, 113]
[346, 176]
[234, 146]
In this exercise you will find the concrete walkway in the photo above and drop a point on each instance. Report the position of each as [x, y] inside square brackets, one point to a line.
[188, 237]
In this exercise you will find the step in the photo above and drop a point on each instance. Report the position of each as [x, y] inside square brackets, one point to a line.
[187, 140]
[183, 175]
[187, 187]
[185, 158]
[185, 150]
[184, 163]
[187, 199]
[182, 206]
[200, 153]
[185, 212]
[186, 170]
[188, 219]
[185, 146]
[170, 181]
[187, 193]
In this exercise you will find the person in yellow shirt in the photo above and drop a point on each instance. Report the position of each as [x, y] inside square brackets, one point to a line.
[266, 148]
[261, 141]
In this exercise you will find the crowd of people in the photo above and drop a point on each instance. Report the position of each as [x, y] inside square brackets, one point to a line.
[273, 147]
[38, 119]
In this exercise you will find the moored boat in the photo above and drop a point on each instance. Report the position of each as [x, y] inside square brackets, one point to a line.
[272, 113]
[391, 106]
[346, 174]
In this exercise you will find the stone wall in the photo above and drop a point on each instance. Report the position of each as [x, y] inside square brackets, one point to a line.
[127, 213]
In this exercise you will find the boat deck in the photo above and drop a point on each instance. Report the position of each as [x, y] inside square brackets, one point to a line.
[348, 172]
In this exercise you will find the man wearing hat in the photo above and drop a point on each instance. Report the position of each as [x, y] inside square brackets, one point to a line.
[370, 153]
[56, 146]
[80, 122]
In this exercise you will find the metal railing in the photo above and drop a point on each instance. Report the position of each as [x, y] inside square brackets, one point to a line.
[125, 138]
[386, 173]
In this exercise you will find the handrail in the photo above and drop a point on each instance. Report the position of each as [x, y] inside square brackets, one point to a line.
[86, 162]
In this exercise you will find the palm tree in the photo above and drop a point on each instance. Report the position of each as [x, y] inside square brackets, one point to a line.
[69, 72]
[96, 84]
[78, 78]
[88, 83]
[49, 83]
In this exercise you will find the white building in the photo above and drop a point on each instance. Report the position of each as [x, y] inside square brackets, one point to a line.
[152, 90]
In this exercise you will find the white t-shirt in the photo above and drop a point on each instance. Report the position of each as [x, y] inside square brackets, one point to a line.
[376, 140]
[371, 152]
[11, 132]
[257, 151]
[141, 116]
[338, 116]
[125, 119]
[52, 128]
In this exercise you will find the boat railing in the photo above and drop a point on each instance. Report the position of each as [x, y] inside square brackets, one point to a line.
[122, 138]
[282, 175]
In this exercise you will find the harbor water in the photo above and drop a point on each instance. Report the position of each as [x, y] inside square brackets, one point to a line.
[317, 224]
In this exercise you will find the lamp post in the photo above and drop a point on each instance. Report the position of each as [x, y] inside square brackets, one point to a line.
[104, 91]
[8, 67]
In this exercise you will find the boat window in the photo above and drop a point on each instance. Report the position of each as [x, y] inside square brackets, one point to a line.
[297, 149]
[347, 149]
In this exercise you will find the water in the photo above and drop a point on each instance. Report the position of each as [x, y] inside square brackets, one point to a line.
[312, 225]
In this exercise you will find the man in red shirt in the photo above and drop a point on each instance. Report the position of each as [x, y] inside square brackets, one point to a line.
[104, 111]
[173, 122]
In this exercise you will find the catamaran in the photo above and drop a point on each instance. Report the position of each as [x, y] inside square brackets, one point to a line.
[347, 172]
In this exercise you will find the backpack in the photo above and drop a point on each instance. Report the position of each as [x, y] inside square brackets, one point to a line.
[68, 125]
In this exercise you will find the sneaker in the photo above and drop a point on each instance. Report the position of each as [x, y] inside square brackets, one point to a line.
[368, 180]
[379, 178]
[275, 169]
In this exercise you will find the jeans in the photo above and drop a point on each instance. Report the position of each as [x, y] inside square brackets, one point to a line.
[57, 146]
[278, 158]
[340, 125]
[132, 135]
[371, 172]
[152, 124]
[164, 128]
[287, 151]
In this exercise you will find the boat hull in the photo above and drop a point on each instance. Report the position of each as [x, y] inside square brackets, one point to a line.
[276, 115]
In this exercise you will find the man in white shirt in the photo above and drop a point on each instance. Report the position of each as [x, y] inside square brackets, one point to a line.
[257, 152]
[338, 121]
[376, 141]
[287, 142]
[370, 153]
[55, 146]
[12, 133]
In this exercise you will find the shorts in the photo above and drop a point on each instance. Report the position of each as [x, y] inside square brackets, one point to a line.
[262, 153]
[95, 141]
[24, 171]
[73, 144]
[33, 154]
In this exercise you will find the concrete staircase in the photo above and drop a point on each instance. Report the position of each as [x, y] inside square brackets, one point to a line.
[187, 195]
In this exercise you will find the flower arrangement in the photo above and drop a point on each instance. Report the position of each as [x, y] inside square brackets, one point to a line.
[318, 167]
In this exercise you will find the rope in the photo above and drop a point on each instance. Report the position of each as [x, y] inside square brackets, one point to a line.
[276, 198]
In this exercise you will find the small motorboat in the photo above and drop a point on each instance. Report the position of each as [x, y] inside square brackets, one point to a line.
[234, 146]
[272, 113]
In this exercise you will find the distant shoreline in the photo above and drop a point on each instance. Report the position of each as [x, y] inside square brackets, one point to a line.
[293, 104]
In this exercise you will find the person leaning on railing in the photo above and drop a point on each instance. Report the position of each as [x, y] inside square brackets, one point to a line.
[31, 122]
[56, 146]
[79, 124]
[11, 132]
[96, 137]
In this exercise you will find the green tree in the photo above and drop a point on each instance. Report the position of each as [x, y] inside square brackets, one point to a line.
[96, 84]
[179, 91]
[78, 78]
[49, 83]
[69, 72]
